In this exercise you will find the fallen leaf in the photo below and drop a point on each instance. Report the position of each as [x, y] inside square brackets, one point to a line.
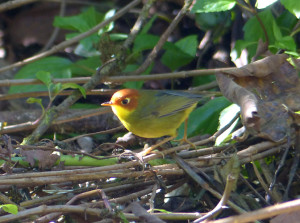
[262, 90]
[45, 158]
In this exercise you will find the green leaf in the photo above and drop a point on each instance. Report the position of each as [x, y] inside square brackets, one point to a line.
[147, 42]
[212, 20]
[118, 36]
[253, 30]
[261, 4]
[10, 208]
[58, 67]
[239, 46]
[110, 26]
[205, 79]
[286, 22]
[293, 6]
[232, 167]
[287, 42]
[205, 118]
[68, 23]
[74, 86]
[45, 77]
[82, 22]
[56, 88]
[188, 45]
[294, 54]
[277, 32]
[32, 100]
[122, 217]
[88, 44]
[144, 42]
[157, 162]
[85, 67]
[213, 5]
[162, 211]
[148, 25]
[182, 53]
[132, 84]
[85, 47]
[135, 84]
[225, 118]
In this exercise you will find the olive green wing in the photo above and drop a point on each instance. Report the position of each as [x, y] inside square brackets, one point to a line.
[167, 103]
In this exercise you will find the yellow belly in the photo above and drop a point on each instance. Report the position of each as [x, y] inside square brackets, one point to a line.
[158, 127]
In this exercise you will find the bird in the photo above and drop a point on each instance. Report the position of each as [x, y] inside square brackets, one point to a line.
[153, 113]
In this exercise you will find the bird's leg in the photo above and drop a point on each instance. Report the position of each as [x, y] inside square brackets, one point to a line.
[148, 150]
[185, 138]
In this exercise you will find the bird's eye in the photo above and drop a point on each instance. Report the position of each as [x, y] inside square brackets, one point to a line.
[125, 101]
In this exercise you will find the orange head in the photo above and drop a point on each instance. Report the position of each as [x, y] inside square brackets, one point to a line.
[126, 99]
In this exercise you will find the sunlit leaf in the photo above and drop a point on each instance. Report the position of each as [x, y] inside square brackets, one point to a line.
[10, 208]
[293, 6]
[32, 100]
[213, 5]
[225, 118]
[261, 4]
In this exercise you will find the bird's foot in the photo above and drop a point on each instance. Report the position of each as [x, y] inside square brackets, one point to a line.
[148, 150]
[185, 140]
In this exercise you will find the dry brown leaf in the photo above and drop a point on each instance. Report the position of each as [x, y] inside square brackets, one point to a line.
[261, 89]
[7, 150]
[45, 158]
[262, 48]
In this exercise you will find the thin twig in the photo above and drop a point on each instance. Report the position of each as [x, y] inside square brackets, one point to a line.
[47, 148]
[49, 217]
[263, 213]
[262, 182]
[295, 163]
[56, 29]
[18, 82]
[221, 205]
[143, 15]
[269, 177]
[253, 189]
[63, 119]
[280, 165]
[163, 38]
[203, 184]
[14, 4]
[122, 79]
[46, 93]
[24, 182]
[48, 209]
[42, 200]
[123, 199]
[110, 131]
